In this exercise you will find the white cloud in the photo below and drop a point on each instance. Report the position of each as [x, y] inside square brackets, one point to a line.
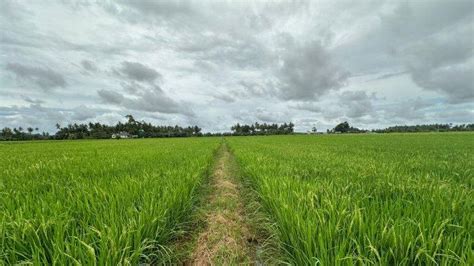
[215, 63]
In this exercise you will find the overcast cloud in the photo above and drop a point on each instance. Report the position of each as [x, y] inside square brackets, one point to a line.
[214, 63]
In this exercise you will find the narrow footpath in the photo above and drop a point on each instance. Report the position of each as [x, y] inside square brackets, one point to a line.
[227, 238]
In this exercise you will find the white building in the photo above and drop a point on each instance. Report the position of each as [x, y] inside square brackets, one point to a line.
[121, 135]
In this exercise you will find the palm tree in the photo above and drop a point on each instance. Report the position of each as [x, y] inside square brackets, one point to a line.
[130, 118]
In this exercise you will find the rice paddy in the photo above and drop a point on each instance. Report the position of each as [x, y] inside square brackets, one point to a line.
[366, 199]
[97, 202]
[397, 199]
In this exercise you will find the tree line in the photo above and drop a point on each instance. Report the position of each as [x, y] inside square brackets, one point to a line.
[142, 129]
[132, 128]
[344, 127]
[262, 129]
[427, 128]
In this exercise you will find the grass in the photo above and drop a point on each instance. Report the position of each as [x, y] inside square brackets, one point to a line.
[366, 199]
[97, 202]
[227, 226]
[400, 199]
[224, 238]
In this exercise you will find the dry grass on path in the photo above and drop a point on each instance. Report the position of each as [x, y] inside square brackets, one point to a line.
[227, 238]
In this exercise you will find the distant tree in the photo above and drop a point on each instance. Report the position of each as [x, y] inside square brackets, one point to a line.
[262, 129]
[6, 133]
[342, 127]
[130, 118]
[30, 130]
[314, 130]
[426, 128]
[196, 130]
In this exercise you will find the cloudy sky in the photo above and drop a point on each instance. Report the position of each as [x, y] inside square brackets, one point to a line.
[214, 63]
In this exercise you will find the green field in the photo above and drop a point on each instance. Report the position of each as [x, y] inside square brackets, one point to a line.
[105, 201]
[373, 199]
[333, 199]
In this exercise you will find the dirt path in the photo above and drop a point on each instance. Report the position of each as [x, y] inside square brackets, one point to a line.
[227, 238]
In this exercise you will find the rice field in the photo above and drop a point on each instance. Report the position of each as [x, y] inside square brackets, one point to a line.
[97, 202]
[366, 199]
[385, 199]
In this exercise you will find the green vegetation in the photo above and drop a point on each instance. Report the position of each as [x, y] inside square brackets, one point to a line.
[130, 129]
[225, 238]
[427, 128]
[366, 199]
[262, 129]
[141, 129]
[386, 199]
[344, 127]
[103, 202]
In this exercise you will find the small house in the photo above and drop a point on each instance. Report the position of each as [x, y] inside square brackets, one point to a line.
[121, 135]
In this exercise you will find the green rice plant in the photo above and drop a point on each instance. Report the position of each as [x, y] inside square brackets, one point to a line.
[97, 202]
[392, 199]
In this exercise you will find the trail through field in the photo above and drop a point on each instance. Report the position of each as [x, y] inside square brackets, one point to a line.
[227, 237]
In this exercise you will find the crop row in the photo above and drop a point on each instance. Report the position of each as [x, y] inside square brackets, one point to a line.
[105, 202]
[372, 199]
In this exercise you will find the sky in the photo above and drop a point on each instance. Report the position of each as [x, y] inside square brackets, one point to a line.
[216, 63]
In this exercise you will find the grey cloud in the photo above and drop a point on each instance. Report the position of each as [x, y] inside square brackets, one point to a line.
[134, 87]
[389, 75]
[444, 62]
[430, 40]
[83, 112]
[457, 116]
[261, 114]
[255, 88]
[221, 16]
[294, 54]
[356, 103]
[138, 72]
[110, 97]
[37, 115]
[53, 114]
[137, 11]
[151, 99]
[34, 115]
[308, 72]
[89, 65]
[43, 77]
[239, 51]
[157, 101]
[146, 95]
[267, 117]
[456, 81]
[380, 32]
[264, 115]
[225, 98]
[308, 106]
[221, 41]
[407, 110]
[332, 114]
[31, 100]
[415, 19]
